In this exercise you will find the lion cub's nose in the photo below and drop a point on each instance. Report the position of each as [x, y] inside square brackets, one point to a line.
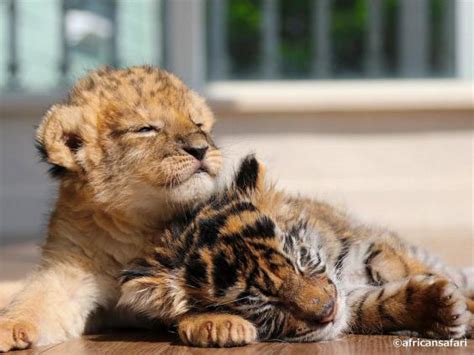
[197, 152]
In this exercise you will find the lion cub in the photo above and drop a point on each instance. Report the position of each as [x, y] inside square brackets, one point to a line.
[130, 148]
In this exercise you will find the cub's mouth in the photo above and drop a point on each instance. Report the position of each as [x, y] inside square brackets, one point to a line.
[309, 334]
[199, 170]
[191, 175]
[300, 327]
[202, 170]
[322, 331]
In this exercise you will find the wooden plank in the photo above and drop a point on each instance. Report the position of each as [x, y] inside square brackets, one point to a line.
[146, 342]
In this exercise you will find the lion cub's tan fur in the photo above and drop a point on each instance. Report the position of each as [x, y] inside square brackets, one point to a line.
[123, 147]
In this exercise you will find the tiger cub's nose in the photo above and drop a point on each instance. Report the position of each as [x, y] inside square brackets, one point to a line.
[329, 312]
[197, 152]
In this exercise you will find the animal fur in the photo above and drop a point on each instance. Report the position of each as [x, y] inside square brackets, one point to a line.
[254, 264]
[130, 149]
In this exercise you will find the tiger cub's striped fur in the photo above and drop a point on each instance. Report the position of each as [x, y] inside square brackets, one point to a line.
[254, 264]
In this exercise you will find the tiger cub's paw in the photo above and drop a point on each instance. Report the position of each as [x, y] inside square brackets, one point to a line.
[445, 312]
[211, 330]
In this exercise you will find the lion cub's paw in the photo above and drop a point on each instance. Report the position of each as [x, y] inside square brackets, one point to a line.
[446, 313]
[16, 334]
[211, 330]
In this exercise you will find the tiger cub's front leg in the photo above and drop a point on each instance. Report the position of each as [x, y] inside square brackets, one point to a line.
[429, 305]
[216, 330]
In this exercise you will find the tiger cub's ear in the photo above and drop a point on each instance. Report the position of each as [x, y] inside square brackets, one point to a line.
[250, 176]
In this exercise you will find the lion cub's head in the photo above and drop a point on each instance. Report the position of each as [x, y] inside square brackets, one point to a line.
[133, 138]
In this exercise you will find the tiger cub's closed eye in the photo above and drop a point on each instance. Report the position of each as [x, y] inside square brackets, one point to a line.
[146, 129]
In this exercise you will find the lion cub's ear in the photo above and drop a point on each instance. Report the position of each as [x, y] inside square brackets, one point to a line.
[59, 138]
[251, 175]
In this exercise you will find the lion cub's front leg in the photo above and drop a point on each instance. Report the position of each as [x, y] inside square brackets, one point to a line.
[53, 307]
[213, 329]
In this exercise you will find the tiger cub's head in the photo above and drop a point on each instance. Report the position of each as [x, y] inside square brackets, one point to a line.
[230, 256]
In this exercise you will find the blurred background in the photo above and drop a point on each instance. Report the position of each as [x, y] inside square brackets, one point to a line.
[366, 103]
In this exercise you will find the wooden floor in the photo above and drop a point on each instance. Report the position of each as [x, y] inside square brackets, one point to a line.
[148, 343]
[17, 260]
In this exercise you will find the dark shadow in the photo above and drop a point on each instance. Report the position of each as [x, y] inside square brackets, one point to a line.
[156, 335]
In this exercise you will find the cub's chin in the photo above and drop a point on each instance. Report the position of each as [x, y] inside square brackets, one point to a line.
[197, 188]
[162, 202]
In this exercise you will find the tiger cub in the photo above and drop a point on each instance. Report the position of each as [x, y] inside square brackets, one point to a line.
[254, 264]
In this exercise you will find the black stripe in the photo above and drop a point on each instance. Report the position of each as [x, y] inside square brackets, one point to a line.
[320, 270]
[368, 260]
[167, 261]
[372, 254]
[181, 224]
[305, 256]
[252, 276]
[218, 202]
[240, 249]
[280, 325]
[240, 207]
[196, 272]
[360, 305]
[267, 251]
[263, 228]
[224, 274]
[187, 238]
[209, 229]
[345, 247]
[246, 178]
